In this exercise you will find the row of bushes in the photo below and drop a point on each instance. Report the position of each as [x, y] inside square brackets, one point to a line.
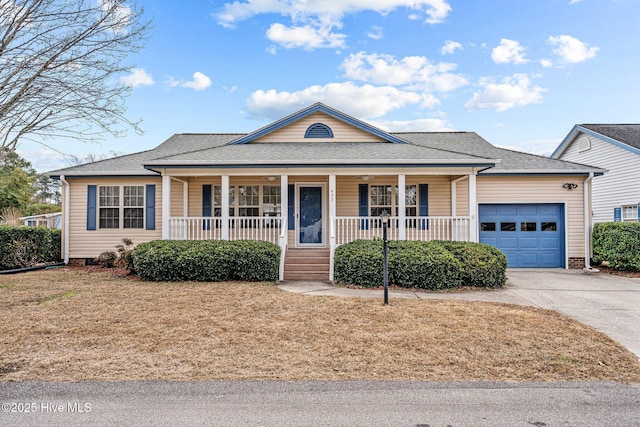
[27, 246]
[430, 265]
[617, 244]
[210, 260]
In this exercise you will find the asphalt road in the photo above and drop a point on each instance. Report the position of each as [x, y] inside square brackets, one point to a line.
[319, 403]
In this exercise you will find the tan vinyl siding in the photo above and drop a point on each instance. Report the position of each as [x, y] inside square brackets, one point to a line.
[85, 243]
[617, 187]
[342, 132]
[177, 197]
[536, 189]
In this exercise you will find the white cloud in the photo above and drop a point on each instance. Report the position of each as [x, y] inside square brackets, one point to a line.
[307, 36]
[415, 72]
[418, 125]
[365, 101]
[514, 91]
[198, 83]
[571, 50]
[138, 77]
[508, 51]
[450, 47]
[546, 63]
[574, 1]
[313, 21]
[375, 32]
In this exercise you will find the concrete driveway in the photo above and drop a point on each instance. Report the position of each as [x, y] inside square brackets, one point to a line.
[610, 304]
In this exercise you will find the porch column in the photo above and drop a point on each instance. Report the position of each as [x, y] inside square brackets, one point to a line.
[185, 199]
[284, 232]
[332, 222]
[473, 208]
[402, 211]
[166, 206]
[225, 207]
[284, 200]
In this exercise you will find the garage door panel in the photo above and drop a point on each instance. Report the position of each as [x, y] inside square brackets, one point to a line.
[550, 243]
[508, 243]
[528, 242]
[530, 235]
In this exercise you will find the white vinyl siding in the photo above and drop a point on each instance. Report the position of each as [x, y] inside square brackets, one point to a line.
[620, 186]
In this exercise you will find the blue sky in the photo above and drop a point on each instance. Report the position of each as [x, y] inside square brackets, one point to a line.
[519, 73]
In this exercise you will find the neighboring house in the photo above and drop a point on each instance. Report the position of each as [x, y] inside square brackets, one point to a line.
[319, 178]
[616, 148]
[49, 220]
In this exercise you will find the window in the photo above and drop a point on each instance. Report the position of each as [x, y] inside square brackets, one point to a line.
[133, 206]
[385, 198]
[507, 226]
[487, 226]
[630, 213]
[381, 199]
[109, 203]
[252, 200]
[549, 226]
[271, 200]
[528, 226]
[112, 206]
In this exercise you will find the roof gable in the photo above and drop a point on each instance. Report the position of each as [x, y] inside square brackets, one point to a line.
[293, 128]
[626, 136]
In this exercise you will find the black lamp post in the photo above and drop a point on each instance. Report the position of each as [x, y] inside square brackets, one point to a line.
[385, 259]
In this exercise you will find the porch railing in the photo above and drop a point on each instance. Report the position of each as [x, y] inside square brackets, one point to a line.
[240, 228]
[424, 228]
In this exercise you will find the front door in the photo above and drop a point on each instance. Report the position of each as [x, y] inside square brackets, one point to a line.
[310, 218]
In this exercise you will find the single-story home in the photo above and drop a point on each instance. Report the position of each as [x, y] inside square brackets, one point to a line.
[48, 220]
[616, 148]
[319, 178]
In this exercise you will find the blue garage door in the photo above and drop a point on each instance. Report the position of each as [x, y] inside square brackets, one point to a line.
[530, 235]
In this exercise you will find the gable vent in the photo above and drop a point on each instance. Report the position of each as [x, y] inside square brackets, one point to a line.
[318, 130]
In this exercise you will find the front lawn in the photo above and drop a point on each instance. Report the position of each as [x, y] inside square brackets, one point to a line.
[73, 325]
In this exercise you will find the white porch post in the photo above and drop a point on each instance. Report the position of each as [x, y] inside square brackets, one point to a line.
[166, 206]
[402, 211]
[284, 233]
[185, 199]
[332, 222]
[473, 208]
[225, 207]
[454, 198]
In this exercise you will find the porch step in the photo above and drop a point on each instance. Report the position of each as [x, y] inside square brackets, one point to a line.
[306, 264]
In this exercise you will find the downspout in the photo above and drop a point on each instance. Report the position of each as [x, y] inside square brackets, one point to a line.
[65, 214]
[587, 223]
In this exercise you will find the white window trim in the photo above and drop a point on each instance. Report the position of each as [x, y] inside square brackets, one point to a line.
[121, 207]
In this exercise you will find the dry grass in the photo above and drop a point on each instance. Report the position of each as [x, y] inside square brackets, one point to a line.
[66, 325]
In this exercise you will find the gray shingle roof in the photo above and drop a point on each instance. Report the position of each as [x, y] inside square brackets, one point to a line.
[626, 133]
[422, 148]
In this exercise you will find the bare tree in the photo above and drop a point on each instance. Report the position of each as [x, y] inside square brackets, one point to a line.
[59, 63]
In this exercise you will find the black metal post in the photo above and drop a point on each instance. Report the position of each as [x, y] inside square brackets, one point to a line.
[385, 262]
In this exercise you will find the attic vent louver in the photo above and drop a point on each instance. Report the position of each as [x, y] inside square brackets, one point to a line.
[318, 130]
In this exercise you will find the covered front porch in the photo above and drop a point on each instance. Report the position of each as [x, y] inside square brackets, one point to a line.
[314, 211]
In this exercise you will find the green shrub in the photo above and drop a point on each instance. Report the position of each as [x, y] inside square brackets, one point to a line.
[425, 265]
[483, 265]
[26, 246]
[207, 260]
[617, 244]
[359, 263]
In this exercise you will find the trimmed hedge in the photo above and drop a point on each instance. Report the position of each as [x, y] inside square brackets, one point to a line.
[431, 265]
[27, 246]
[617, 244]
[207, 260]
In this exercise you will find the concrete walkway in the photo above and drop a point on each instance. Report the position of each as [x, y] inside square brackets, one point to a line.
[610, 304]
